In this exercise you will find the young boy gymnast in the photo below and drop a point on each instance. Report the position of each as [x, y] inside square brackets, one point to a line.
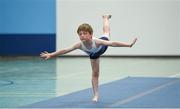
[94, 47]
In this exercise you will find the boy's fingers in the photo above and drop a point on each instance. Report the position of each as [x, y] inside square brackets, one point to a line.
[44, 55]
[46, 58]
[41, 53]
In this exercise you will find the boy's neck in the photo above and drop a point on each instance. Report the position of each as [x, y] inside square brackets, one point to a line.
[88, 42]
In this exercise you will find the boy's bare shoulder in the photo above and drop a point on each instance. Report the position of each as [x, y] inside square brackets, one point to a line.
[77, 45]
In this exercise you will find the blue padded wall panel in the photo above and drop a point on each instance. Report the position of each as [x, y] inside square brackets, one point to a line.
[26, 44]
[27, 27]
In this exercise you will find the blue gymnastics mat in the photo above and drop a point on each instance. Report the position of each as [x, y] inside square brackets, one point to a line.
[130, 92]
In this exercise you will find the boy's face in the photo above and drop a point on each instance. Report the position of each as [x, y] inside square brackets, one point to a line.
[85, 36]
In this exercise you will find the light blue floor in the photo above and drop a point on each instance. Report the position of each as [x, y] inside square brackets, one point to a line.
[32, 81]
[27, 80]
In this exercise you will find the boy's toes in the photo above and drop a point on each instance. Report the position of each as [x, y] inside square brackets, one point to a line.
[108, 16]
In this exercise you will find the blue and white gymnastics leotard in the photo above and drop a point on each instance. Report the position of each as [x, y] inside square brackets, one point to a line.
[95, 52]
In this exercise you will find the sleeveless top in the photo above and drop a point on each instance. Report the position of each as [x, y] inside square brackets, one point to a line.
[94, 48]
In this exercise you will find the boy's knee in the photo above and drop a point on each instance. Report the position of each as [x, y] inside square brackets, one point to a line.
[95, 74]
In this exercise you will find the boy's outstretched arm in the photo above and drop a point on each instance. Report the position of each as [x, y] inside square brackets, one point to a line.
[116, 43]
[47, 55]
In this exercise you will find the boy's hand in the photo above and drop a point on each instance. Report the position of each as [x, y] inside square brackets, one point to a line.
[45, 55]
[133, 42]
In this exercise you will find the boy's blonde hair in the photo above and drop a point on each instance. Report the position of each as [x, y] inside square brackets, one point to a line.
[85, 27]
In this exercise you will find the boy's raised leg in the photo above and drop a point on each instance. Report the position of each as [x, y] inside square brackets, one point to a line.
[106, 26]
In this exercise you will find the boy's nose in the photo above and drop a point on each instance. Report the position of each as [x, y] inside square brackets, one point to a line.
[83, 36]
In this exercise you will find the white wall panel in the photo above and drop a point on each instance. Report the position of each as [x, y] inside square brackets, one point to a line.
[156, 23]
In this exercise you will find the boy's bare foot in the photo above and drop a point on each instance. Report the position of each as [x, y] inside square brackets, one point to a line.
[107, 16]
[133, 42]
[95, 99]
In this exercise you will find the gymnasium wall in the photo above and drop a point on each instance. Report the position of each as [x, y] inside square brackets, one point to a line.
[27, 27]
[156, 23]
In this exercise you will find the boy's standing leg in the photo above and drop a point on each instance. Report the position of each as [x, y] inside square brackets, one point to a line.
[95, 78]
